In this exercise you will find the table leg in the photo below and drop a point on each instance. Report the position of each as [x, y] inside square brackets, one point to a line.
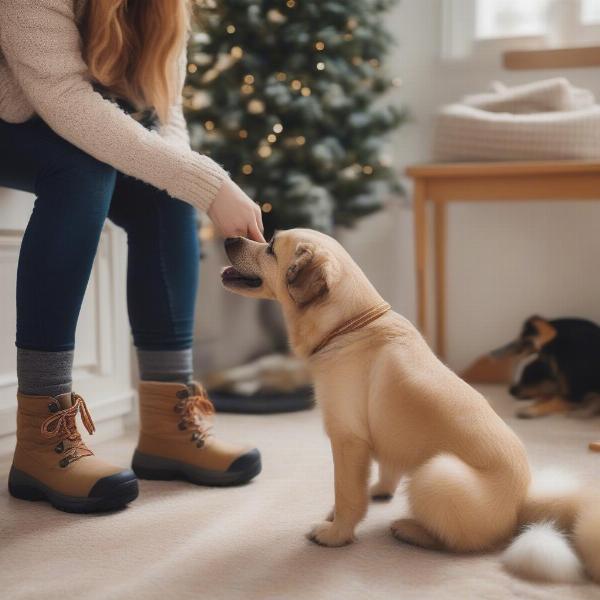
[440, 277]
[421, 242]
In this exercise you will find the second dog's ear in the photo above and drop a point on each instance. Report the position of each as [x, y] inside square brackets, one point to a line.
[544, 331]
[310, 274]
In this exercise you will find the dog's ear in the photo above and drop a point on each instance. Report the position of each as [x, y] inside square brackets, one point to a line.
[310, 274]
[544, 331]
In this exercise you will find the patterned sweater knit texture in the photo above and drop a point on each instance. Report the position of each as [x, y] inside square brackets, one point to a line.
[42, 73]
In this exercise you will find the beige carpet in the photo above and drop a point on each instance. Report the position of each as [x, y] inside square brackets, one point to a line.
[179, 541]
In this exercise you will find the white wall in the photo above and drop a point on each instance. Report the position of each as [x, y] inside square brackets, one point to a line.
[505, 261]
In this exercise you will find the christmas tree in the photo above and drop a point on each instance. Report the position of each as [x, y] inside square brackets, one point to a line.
[283, 94]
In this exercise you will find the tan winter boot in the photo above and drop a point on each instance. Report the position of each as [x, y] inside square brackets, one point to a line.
[176, 439]
[53, 463]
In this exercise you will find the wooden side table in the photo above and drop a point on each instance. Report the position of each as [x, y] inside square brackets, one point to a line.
[441, 184]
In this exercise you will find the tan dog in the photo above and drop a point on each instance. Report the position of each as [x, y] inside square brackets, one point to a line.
[386, 397]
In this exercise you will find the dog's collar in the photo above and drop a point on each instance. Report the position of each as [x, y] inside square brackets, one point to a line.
[358, 322]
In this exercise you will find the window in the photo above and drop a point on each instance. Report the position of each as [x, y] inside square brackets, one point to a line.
[510, 18]
[590, 12]
[488, 26]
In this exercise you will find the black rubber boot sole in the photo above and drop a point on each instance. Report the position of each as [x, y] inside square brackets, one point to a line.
[242, 470]
[25, 487]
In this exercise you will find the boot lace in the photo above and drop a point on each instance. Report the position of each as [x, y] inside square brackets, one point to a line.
[62, 425]
[195, 410]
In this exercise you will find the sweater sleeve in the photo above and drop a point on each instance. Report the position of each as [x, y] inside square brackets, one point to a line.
[175, 131]
[41, 43]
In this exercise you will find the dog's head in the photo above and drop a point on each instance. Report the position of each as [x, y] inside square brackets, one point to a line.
[535, 334]
[538, 379]
[309, 273]
[297, 267]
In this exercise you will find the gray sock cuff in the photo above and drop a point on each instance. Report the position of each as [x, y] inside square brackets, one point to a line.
[44, 373]
[166, 365]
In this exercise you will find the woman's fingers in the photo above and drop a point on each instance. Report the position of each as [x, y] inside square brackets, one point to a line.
[259, 223]
[261, 233]
[254, 233]
[235, 214]
[258, 213]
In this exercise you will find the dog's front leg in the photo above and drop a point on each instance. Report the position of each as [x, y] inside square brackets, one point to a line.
[351, 459]
[389, 477]
[543, 407]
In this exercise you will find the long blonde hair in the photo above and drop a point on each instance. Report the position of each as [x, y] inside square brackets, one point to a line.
[131, 47]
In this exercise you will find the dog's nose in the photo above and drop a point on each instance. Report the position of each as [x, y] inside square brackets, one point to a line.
[232, 241]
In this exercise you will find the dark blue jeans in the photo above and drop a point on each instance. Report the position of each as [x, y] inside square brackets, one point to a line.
[75, 193]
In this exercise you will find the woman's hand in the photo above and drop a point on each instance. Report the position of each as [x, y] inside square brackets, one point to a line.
[234, 214]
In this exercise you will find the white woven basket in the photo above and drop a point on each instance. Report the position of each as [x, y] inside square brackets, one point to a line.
[465, 133]
[543, 120]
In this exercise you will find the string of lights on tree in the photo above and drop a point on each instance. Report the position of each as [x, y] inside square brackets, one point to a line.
[285, 95]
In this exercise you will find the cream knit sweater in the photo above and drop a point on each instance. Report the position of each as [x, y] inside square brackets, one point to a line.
[42, 72]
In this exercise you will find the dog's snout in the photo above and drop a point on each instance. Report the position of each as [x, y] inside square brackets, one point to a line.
[230, 242]
[233, 247]
[514, 390]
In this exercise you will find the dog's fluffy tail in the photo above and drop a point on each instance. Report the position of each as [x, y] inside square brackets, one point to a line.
[561, 537]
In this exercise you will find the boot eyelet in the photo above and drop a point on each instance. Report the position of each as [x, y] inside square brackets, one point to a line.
[182, 425]
[60, 448]
[53, 407]
[195, 436]
[200, 443]
[64, 462]
[182, 394]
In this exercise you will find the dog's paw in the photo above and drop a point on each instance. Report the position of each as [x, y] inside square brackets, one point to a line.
[380, 493]
[526, 413]
[580, 413]
[330, 535]
[411, 532]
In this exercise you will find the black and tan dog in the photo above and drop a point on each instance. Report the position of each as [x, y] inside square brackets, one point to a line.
[565, 373]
